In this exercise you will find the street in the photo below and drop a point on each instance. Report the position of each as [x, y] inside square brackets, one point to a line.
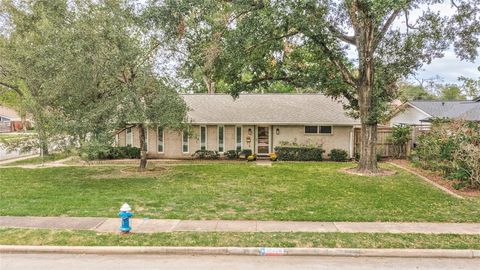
[172, 262]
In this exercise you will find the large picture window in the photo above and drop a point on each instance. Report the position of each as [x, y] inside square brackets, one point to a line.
[128, 137]
[185, 142]
[203, 138]
[221, 136]
[238, 138]
[160, 139]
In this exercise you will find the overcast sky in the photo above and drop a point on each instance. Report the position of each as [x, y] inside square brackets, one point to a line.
[449, 68]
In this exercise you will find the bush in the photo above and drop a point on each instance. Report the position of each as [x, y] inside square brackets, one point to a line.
[98, 151]
[245, 153]
[338, 155]
[252, 157]
[400, 136]
[273, 156]
[292, 153]
[232, 154]
[206, 154]
[452, 148]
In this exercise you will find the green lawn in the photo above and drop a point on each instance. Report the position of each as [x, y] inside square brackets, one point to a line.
[327, 240]
[285, 191]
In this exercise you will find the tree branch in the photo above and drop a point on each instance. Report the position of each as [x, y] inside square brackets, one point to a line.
[12, 87]
[270, 39]
[270, 78]
[348, 39]
[344, 71]
[385, 27]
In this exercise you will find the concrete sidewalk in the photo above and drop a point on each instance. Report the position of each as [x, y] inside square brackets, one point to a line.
[174, 225]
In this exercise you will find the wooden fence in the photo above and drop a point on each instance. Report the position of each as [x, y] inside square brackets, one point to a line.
[384, 147]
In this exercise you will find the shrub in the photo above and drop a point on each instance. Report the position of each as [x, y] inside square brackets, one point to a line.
[299, 153]
[99, 151]
[338, 155]
[400, 136]
[245, 153]
[206, 154]
[252, 157]
[232, 154]
[452, 148]
[273, 156]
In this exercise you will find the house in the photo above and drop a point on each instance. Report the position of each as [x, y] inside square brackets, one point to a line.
[421, 112]
[10, 120]
[259, 122]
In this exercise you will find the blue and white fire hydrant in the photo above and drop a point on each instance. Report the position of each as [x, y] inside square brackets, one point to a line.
[125, 215]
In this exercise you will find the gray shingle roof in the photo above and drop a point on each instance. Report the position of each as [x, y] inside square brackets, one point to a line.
[266, 109]
[467, 110]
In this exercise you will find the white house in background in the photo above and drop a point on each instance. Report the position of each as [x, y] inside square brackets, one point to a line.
[421, 112]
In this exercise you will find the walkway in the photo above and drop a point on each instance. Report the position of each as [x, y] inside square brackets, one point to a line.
[175, 225]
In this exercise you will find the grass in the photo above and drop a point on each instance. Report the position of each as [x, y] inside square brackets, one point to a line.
[17, 135]
[38, 160]
[285, 191]
[327, 240]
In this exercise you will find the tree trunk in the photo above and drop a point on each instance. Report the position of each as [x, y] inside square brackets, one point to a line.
[210, 84]
[143, 150]
[368, 149]
[365, 89]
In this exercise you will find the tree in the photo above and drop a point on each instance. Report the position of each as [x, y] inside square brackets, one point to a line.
[409, 92]
[85, 68]
[470, 86]
[451, 92]
[314, 38]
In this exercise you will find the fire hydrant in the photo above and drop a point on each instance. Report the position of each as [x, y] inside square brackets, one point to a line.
[125, 215]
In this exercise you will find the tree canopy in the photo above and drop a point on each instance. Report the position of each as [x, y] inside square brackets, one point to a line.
[310, 44]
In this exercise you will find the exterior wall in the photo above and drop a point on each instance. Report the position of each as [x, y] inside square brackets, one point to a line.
[212, 138]
[409, 116]
[340, 137]
[229, 138]
[121, 138]
[248, 140]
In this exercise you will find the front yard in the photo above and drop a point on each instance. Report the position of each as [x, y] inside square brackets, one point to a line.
[285, 191]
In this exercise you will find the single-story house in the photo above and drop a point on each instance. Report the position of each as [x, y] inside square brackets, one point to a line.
[422, 112]
[259, 122]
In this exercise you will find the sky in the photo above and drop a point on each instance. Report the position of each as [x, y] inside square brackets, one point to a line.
[449, 68]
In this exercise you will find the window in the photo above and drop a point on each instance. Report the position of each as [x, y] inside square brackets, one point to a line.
[220, 138]
[311, 129]
[203, 138]
[160, 139]
[129, 137]
[326, 129]
[185, 142]
[238, 136]
[318, 129]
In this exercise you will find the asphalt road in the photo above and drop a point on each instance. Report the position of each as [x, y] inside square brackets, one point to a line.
[173, 262]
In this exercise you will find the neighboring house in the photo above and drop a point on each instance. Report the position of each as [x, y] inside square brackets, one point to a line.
[10, 120]
[422, 112]
[259, 122]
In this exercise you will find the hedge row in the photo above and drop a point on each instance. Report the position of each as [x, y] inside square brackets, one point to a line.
[294, 153]
[111, 152]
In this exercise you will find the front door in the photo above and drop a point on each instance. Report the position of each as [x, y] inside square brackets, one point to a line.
[263, 141]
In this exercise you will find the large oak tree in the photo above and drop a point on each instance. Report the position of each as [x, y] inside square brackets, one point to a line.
[355, 50]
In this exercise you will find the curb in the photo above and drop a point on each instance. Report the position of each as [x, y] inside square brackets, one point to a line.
[249, 251]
